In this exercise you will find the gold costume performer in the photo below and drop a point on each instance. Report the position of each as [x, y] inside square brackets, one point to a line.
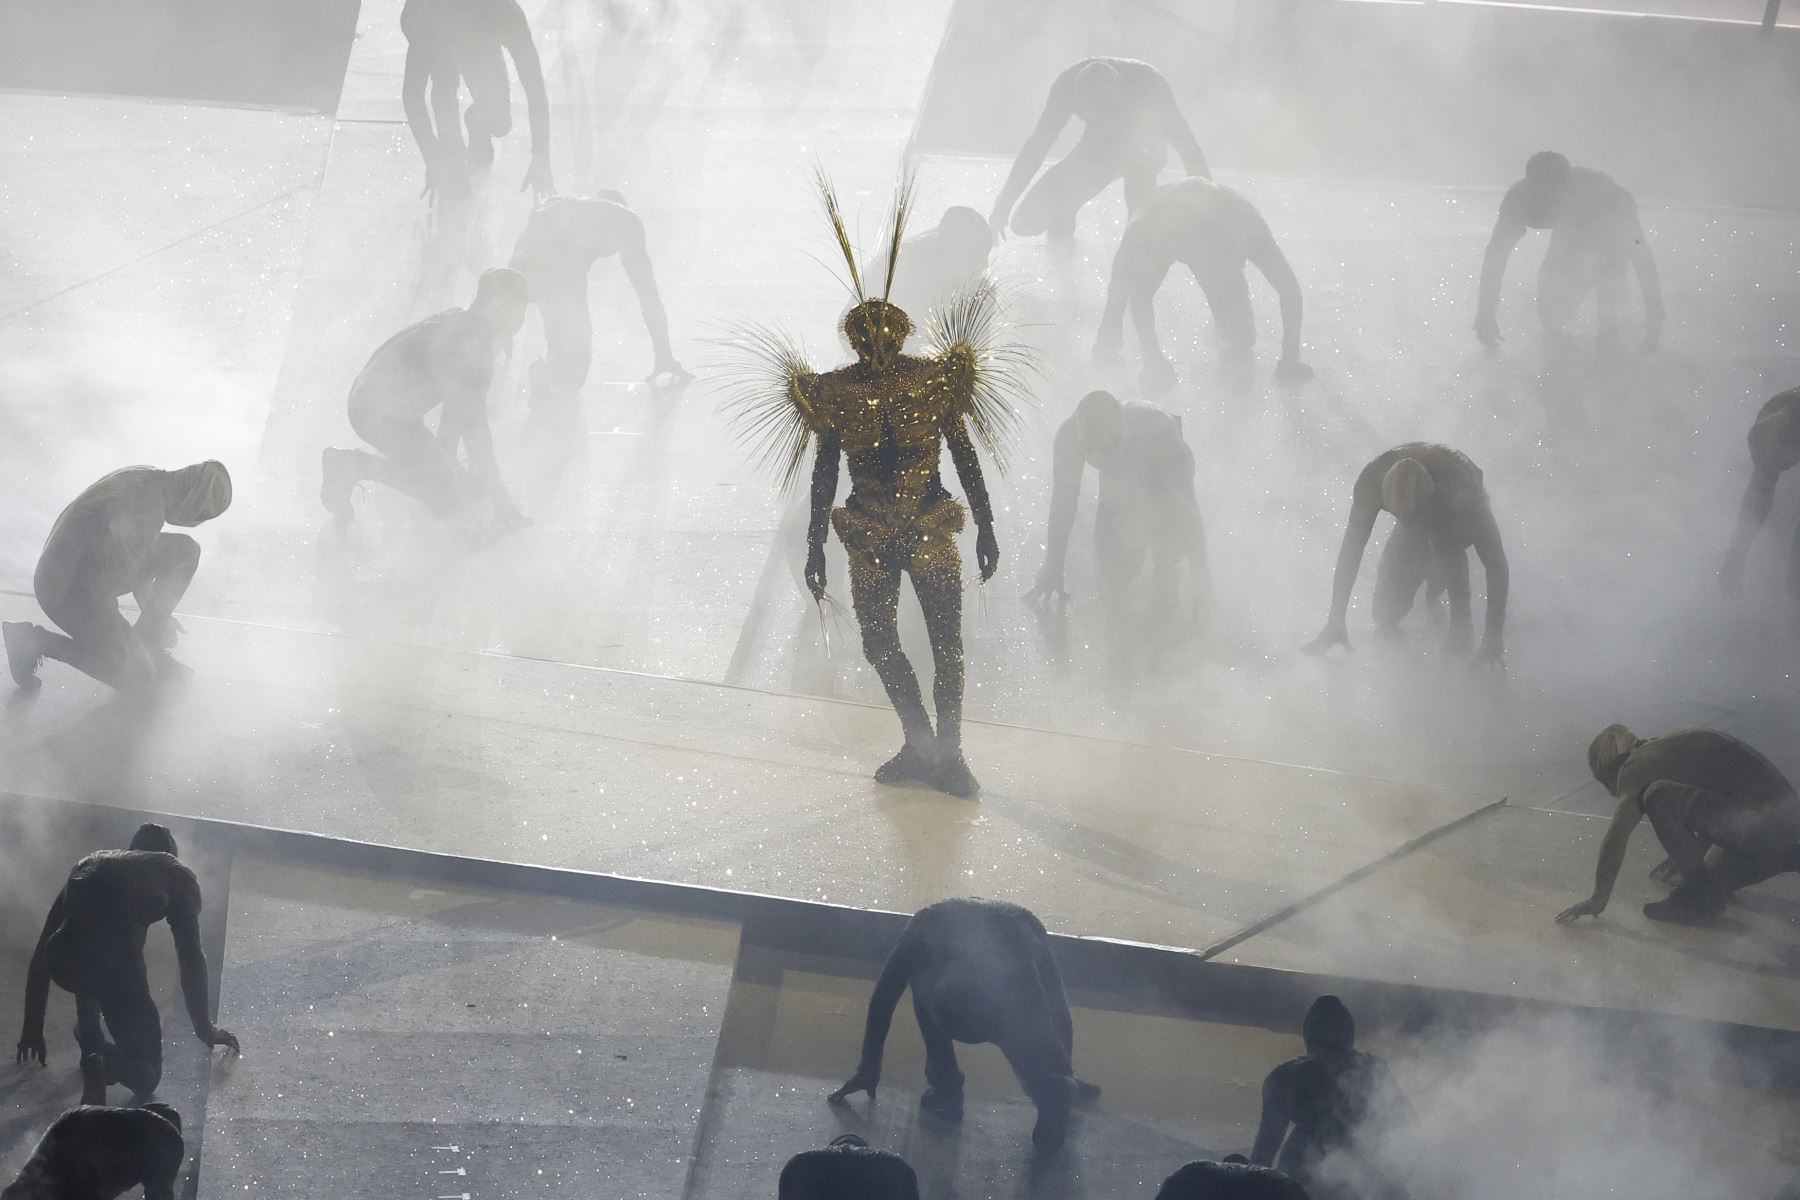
[890, 414]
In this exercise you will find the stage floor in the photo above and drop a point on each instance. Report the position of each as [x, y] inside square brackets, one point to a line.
[635, 683]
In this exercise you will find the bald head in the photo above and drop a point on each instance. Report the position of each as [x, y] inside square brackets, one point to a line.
[1098, 87]
[1101, 419]
[153, 837]
[1408, 491]
[501, 296]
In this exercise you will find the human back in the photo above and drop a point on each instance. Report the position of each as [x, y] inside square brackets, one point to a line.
[1701, 758]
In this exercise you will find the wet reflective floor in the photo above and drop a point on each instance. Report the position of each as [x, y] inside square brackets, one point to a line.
[636, 683]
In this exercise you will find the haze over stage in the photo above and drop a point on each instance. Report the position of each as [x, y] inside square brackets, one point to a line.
[637, 685]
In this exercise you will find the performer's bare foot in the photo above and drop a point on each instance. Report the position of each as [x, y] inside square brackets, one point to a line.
[22, 652]
[954, 777]
[911, 765]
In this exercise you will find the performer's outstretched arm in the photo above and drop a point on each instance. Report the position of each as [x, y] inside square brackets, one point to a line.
[515, 35]
[1181, 134]
[1267, 257]
[824, 492]
[903, 962]
[1364, 508]
[968, 469]
[1058, 109]
[636, 261]
[37, 989]
[1509, 228]
[1492, 554]
[1612, 857]
[1068, 464]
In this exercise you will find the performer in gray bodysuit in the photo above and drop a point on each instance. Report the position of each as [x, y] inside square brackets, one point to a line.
[1595, 239]
[562, 241]
[1146, 507]
[1441, 507]
[1130, 119]
[1214, 232]
[108, 543]
[1725, 815]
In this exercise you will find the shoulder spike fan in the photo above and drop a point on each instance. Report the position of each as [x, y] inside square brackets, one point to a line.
[970, 327]
[767, 401]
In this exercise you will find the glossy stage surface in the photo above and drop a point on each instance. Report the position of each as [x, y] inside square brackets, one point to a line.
[636, 683]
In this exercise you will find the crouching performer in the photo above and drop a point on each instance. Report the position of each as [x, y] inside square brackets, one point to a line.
[108, 543]
[98, 1153]
[1215, 233]
[1725, 815]
[93, 945]
[890, 414]
[980, 971]
[1440, 506]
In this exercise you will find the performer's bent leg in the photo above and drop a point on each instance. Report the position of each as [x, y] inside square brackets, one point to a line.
[411, 462]
[875, 595]
[1227, 293]
[562, 298]
[943, 1096]
[1609, 303]
[1451, 570]
[1143, 164]
[135, 1056]
[1565, 279]
[90, 1035]
[169, 570]
[1051, 205]
[100, 643]
[1679, 814]
[490, 102]
[1405, 561]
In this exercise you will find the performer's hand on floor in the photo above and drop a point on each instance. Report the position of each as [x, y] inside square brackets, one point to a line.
[862, 1081]
[31, 1046]
[1587, 908]
[224, 1037]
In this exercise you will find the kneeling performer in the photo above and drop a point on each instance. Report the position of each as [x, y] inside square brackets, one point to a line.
[1441, 508]
[980, 971]
[1725, 815]
[109, 543]
[1215, 233]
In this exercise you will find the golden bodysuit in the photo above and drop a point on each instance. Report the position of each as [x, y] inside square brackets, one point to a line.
[890, 414]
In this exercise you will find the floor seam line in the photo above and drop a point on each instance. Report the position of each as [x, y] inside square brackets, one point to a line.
[802, 697]
[1312, 899]
[150, 254]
